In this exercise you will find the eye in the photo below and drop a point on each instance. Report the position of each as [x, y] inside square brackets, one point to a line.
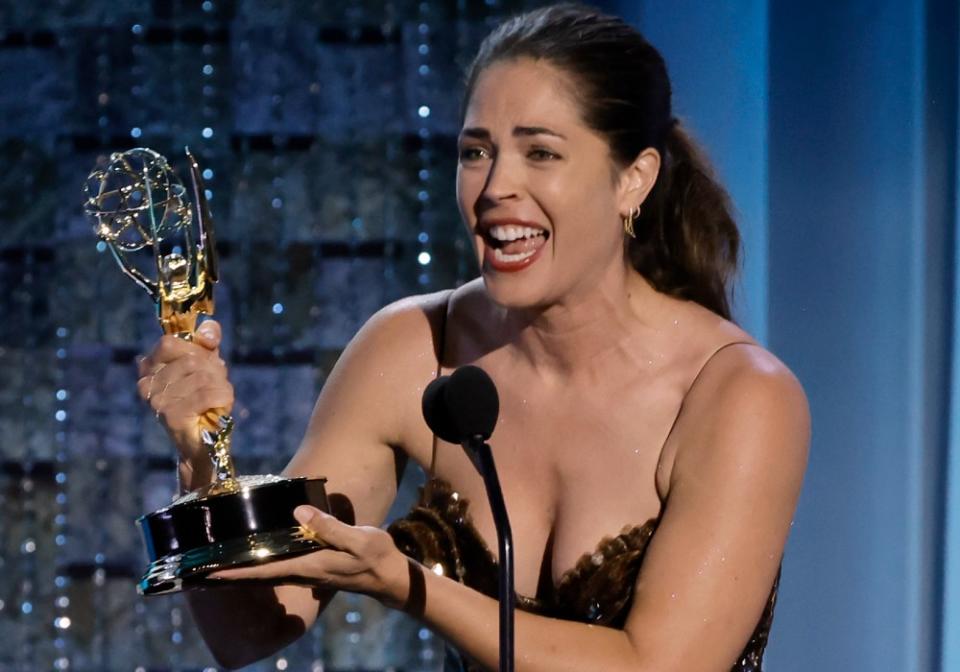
[473, 153]
[541, 154]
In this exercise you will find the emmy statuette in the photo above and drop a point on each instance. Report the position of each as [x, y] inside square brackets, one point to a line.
[141, 211]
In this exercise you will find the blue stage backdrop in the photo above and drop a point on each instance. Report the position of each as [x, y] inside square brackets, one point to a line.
[835, 125]
[326, 132]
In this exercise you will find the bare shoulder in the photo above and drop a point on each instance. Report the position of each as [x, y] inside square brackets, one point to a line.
[373, 388]
[470, 302]
[405, 327]
[745, 407]
[405, 322]
[744, 376]
[397, 344]
[471, 316]
[737, 374]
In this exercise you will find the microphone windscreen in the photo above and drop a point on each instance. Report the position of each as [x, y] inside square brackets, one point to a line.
[472, 402]
[435, 410]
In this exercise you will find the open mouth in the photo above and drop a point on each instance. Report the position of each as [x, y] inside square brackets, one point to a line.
[514, 243]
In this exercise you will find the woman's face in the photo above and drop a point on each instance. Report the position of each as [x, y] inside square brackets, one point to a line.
[536, 187]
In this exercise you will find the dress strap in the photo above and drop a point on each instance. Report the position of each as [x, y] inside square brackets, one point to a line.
[690, 387]
[710, 359]
[440, 348]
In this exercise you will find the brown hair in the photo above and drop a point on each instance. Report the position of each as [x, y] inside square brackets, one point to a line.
[687, 242]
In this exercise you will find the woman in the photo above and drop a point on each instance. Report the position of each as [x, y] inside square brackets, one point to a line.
[650, 452]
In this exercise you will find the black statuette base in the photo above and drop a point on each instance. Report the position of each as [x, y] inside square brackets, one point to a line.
[249, 525]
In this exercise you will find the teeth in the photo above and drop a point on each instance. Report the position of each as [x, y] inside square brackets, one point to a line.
[510, 233]
[512, 257]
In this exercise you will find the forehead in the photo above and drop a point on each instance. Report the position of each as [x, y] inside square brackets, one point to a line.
[523, 92]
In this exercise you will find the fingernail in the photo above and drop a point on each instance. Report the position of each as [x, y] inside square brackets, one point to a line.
[304, 514]
[207, 334]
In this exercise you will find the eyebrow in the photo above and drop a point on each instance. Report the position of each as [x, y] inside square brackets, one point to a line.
[518, 131]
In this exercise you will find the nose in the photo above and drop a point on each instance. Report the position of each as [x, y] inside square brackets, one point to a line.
[502, 183]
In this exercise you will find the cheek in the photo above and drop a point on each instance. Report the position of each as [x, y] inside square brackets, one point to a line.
[468, 191]
[458, 187]
[583, 212]
[467, 194]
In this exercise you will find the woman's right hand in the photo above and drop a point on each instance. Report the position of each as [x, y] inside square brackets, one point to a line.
[182, 380]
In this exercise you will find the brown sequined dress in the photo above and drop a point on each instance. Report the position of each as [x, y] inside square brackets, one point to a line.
[598, 590]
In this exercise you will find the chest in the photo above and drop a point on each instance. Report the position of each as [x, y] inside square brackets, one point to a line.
[576, 465]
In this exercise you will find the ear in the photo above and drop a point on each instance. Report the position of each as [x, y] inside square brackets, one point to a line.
[637, 179]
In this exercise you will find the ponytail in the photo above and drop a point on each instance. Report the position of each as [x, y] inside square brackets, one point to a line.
[687, 242]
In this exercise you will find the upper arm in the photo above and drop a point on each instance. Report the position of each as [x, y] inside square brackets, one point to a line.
[367, 404]
[363, 416]
[742, 448]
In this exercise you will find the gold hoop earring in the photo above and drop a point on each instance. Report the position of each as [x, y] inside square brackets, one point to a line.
[628, 220]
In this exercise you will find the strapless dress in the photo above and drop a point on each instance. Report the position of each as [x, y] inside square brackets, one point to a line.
[439, 534]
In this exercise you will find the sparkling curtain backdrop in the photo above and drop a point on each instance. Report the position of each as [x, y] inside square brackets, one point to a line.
[326, 131]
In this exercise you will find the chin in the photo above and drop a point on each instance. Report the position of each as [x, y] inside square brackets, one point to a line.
[513, 294]
[517, 286]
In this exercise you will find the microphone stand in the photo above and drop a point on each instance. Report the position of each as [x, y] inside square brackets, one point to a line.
[482, 457]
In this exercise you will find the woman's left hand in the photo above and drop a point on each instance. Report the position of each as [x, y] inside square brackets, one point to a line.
[357, 559]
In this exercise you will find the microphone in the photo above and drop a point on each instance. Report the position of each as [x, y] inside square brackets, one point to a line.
[435, 410]
[463, 408]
